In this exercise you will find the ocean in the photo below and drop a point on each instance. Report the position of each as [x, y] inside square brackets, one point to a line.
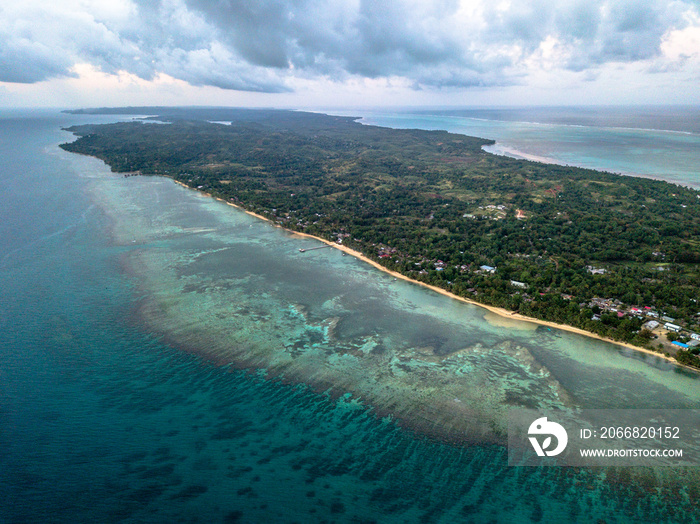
[649, 141]
[168, 358]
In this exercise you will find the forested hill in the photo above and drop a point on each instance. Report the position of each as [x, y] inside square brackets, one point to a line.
[435, 207]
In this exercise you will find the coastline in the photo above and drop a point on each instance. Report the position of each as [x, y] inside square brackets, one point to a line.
[501, 312]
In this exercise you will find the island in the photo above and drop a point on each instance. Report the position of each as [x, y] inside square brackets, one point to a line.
[616, 256]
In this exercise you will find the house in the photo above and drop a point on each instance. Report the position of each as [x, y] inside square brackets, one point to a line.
[694, 343]
[695, 336]
[651, 325]
[667, 319]
[490, 269]
[672, 327]
[518, 284]
[676, 343]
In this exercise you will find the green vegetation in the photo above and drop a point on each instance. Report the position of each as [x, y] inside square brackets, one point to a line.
[435, 207]
[688, 358]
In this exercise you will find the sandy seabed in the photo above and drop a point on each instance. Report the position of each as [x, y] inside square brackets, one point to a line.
[503, 315]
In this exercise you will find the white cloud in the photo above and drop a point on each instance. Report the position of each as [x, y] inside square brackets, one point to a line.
[274, 45]
[682, 44]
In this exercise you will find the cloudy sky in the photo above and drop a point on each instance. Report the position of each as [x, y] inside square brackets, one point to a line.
[335, 53]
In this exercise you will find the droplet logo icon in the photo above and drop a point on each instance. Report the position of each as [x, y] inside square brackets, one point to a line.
[541, 427]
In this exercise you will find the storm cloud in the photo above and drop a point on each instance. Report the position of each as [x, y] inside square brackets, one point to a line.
[265, 45]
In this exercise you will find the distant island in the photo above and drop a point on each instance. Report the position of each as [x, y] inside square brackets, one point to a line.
[613, 255]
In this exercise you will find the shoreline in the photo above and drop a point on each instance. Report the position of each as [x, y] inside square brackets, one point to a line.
[501, 312]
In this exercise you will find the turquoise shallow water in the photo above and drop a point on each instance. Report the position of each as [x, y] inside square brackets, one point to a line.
[129, 305]
[655, 142]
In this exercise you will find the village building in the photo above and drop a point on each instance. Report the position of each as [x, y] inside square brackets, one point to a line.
[596, 271]
[672, 327]
[651, 325]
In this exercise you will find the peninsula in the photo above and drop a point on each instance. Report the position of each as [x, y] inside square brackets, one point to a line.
[612, 255]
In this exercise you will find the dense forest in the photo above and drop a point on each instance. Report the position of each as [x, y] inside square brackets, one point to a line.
[591, 249]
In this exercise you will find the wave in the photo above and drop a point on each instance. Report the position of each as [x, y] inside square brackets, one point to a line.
[561, 124]
[367, 121]
[499, 149]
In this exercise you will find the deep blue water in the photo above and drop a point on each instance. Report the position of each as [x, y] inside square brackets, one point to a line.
[101, 421]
